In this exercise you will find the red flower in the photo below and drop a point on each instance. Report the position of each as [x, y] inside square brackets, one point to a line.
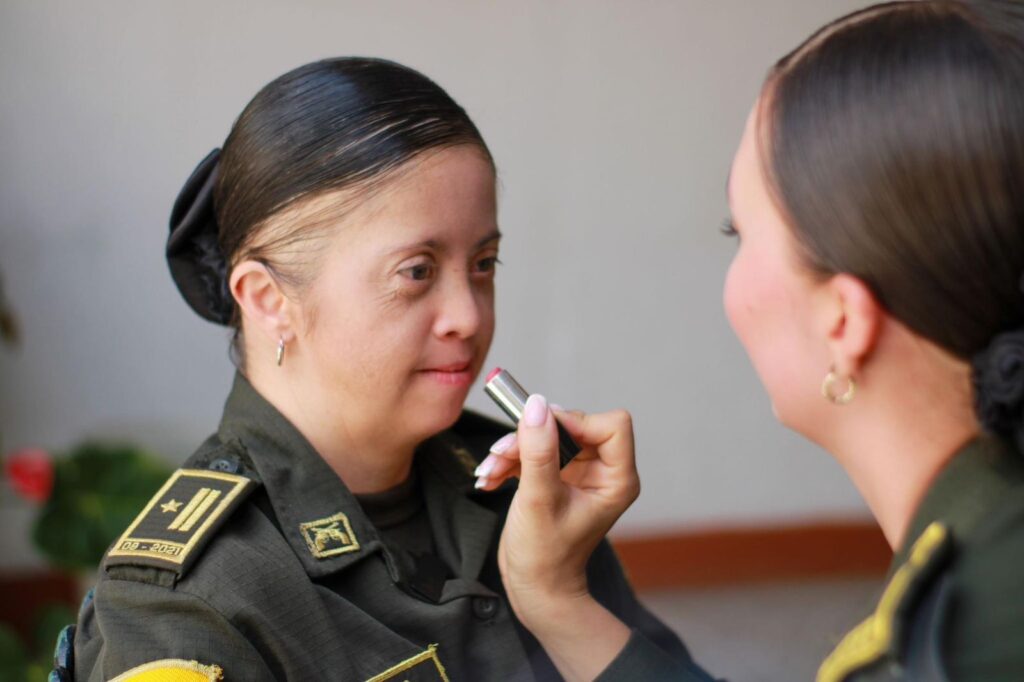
[30, 471]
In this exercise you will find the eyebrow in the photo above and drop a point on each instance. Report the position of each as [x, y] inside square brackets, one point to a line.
[435, 244]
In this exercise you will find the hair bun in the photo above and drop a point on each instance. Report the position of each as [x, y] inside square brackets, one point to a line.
[998, 376]
[197, 264]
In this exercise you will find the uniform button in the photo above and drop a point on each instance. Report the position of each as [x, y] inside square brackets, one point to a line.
[485, 608]
[225, 465]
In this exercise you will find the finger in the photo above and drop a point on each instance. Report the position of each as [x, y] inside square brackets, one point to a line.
[610, 432]
[504, 443]
[495, 465]
[538, 453]
[494, 482]
[570, 419]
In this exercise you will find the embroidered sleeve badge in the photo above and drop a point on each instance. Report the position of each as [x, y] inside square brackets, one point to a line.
[180, 519]
[172, 670]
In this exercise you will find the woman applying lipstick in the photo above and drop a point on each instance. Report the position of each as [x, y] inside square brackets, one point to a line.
[878, 289]
[330, 529]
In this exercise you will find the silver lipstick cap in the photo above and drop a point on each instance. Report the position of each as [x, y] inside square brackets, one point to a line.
[510, 396]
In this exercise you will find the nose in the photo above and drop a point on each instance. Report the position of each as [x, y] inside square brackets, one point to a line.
[459, 312]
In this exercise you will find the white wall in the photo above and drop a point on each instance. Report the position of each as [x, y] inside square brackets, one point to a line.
[613, 125]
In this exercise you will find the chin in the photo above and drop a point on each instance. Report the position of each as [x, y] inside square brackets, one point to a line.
[436, 418]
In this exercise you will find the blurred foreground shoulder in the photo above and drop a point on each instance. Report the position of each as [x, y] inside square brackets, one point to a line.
[985, 637]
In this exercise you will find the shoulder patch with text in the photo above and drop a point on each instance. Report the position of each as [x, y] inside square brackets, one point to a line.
[180, 519]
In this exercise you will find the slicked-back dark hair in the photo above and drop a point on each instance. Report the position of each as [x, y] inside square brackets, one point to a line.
[894, 141]
[328, 125]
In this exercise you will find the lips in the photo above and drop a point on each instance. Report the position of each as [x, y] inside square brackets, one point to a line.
[453, 367]
[453, 374]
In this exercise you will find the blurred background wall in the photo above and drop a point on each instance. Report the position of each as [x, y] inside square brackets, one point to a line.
[613, 124]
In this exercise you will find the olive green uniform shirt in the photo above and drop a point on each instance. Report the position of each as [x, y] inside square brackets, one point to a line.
[256, 563]
[956, 587]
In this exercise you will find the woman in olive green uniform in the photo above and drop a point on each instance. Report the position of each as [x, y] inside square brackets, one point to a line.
[330, 528]
[878, 199]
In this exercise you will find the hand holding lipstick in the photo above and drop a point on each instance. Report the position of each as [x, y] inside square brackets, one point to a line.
[556, 520]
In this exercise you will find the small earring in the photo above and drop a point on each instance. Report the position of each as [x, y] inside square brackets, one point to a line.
[280, 351]
[827, 386]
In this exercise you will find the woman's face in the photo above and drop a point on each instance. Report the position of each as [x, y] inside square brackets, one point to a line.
[398, 322]
[769, 296]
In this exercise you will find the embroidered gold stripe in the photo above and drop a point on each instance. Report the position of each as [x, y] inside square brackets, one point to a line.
[194, 510]
[203, 507]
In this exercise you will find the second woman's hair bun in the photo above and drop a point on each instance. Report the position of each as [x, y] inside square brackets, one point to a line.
[998, 377]
[197, 264]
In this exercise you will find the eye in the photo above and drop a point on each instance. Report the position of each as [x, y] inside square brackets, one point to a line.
[487, 265]
[418, 272]
[728, 228]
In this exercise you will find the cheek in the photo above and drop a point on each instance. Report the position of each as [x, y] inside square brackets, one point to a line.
[367, 340]
[736, 296]
[764, 314]
[485, 304]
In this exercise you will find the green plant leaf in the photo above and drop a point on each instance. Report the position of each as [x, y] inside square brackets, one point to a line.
[98, 490]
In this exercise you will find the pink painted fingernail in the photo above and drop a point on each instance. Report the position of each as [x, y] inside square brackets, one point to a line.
[503, 443]
[486, 467]
[536, 411]
[557, 408]
[480, 483]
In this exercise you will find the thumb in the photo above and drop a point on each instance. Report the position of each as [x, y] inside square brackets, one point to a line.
[539, 477]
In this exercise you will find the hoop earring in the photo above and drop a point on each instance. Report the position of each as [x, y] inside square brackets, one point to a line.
[280, 351]
[827, 386]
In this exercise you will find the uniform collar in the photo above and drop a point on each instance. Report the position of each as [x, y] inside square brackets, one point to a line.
[968, 486]
[307, 495]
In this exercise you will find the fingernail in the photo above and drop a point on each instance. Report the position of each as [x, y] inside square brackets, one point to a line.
[503, 443]
[480, 483]
[557, 408]
[486, 467]
[536, 411]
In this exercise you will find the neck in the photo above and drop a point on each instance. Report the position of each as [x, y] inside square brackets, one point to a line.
[893, 469]
[893, 441]
[367, 455]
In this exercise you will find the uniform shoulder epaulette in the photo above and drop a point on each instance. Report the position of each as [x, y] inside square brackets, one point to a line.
[885, 634]
[180, 520]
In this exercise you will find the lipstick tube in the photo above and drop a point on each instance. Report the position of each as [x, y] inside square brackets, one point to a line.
[511, 398]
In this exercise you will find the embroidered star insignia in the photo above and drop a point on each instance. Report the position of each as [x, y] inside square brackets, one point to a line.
[170, 506]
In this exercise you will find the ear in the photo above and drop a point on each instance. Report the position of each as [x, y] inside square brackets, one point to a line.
[261, 300]
[853, 320]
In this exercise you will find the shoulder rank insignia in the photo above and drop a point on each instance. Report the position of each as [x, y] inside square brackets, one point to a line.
[180, 519]
[172, 670]
[882, 633]
[423, 667]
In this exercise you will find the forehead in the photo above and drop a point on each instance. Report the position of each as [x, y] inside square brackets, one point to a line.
[746, 173]
[439, 189]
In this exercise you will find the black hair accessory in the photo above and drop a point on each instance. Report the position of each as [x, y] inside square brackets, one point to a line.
[197, 264]
[998, 377]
